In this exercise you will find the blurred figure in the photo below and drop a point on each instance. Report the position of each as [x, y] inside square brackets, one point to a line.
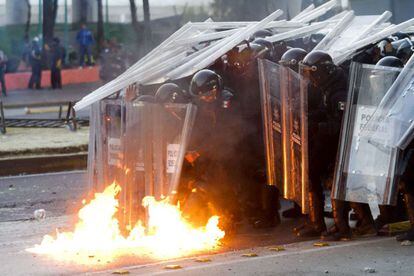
[3, 62]
[36, 63]
[57, 60]
[112, 59]
[85, 40]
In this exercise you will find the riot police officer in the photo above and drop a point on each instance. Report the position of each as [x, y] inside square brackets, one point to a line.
[326, 96]
[259, 201]
[211, 154]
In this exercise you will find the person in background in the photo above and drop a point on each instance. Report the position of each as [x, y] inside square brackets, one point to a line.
[3, 63]
[85, 40]
[57, 58]
[36, 63]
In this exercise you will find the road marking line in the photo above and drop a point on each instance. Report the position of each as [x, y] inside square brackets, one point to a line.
[305, 251]
[242, 260]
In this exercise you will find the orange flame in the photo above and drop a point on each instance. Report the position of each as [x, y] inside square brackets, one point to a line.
[97, 237]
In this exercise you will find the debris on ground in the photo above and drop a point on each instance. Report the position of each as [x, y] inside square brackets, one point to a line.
[406, 243]
[321, 244]
[202, 260]
[369, 270]
[173, 267]
[249, 255]
[277, 248]
[39, 214]
[121, 272]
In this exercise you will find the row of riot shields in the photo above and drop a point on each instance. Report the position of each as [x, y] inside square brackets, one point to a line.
[365, 171]
[141, 147]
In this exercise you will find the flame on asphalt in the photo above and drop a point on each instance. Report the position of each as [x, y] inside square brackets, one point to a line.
[97, 239]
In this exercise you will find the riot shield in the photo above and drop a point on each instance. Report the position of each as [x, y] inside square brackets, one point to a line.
[296, 136]
[155, 141]
[272, 112]
[285, 131]
[365, 171]
[105, 160]
[397, 108]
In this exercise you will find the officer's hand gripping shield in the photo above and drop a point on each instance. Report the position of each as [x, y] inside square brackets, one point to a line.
[285, 131]
[365, 170]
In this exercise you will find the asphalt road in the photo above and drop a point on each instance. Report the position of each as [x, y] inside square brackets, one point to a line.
[61, 194]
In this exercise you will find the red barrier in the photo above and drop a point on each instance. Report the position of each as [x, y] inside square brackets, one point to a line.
[16, 81]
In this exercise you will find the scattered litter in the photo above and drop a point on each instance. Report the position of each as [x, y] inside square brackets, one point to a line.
[277, 248]
[321, 244]
[205, 260]
[406, 243]
[173, 267]
[326, 272]
[40, 214]
[91, 256]
[250, 255]
[121, 272]
[369, 270]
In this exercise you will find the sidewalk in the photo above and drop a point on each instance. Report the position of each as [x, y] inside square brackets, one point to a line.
[28, 97]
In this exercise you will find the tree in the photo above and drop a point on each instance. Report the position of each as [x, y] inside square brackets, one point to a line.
[83, 11]
[28, 19]
[49, 18]
[134, 17]
[147, 24]
[100, 26]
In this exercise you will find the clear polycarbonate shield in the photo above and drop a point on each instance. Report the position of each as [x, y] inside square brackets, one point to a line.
[396, 108]
[294, 95]
[365, 171]
[105, 163]
[156, 138]
[272, 112]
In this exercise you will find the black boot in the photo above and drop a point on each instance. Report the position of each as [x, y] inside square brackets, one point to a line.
[365, 222]
[294, 212]
[342, 230]
[316, 224]
[270, 208]
[409, 203]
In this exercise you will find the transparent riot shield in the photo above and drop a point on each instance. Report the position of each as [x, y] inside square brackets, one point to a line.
[105, 160]
[397, 108]
[296, 135]
[272, 112]
[156, 138]
[365, 171]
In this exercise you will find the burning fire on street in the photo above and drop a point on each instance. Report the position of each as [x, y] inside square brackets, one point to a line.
[97, 238]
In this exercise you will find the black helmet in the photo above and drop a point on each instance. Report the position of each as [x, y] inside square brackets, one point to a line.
[400, 35]
[292, 58]
[405, 50]
[268, 45]
[146, 98]
[319, 66]
[261, 34]
[170, 93]
[244, 57]
[206, 85]
[390, 61]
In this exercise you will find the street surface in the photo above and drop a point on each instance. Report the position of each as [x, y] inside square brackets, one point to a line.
[61, 194]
